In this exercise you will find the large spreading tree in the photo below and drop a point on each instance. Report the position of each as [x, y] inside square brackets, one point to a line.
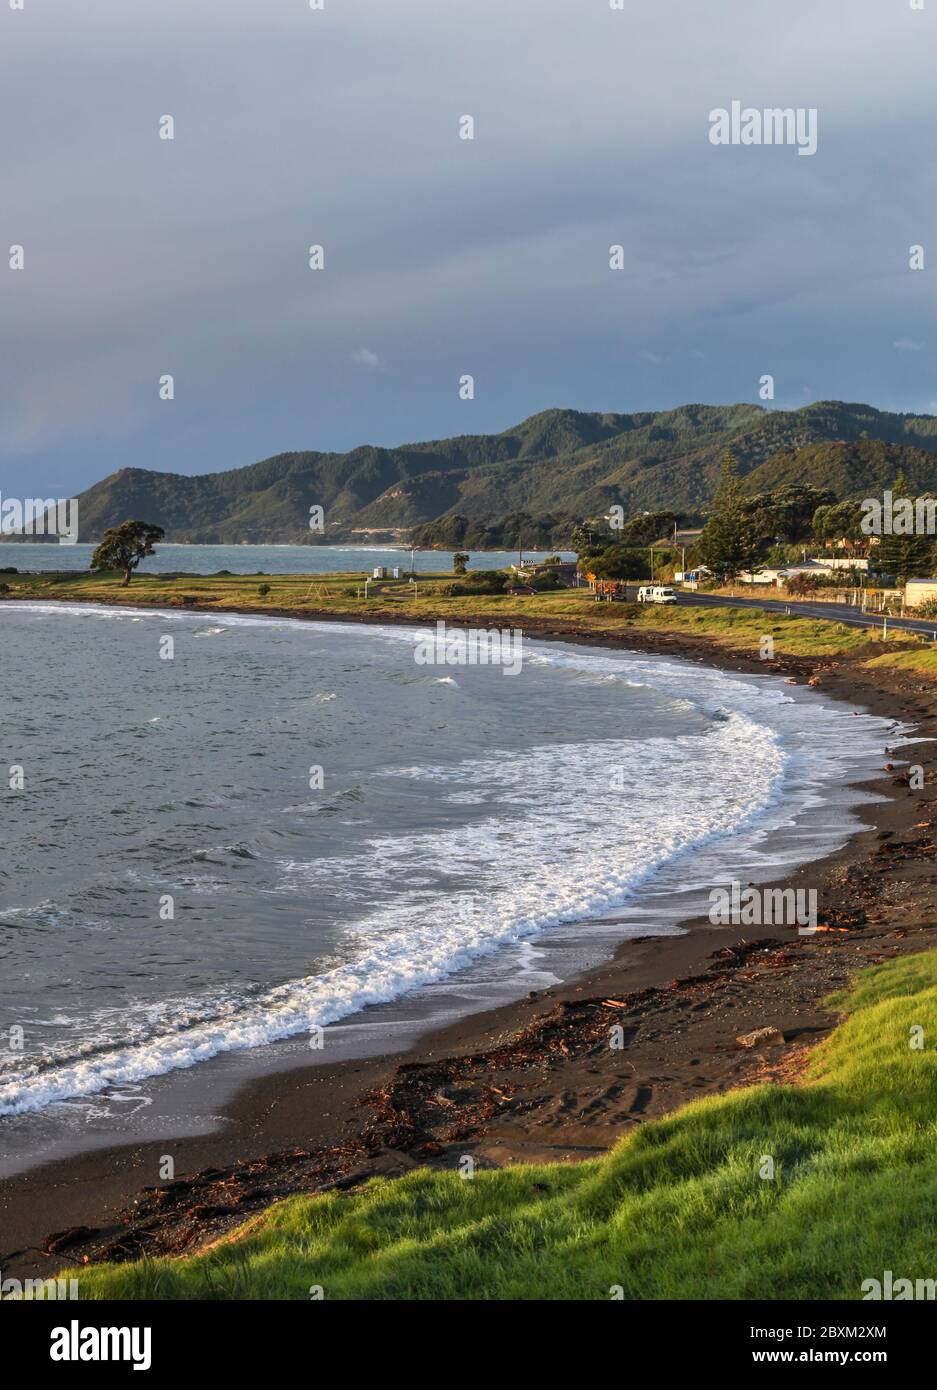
[124, 546]
[615, 562]
[841, 522]
[729, 543]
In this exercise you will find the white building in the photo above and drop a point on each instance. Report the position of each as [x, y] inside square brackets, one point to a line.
[691, 579]
[846, 564]
[816, 566]
[918, 591]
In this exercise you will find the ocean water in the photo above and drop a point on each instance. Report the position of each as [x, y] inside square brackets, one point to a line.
[268, 559]
[475, 834]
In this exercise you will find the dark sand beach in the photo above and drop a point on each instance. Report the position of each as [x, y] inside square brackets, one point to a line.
[535, 1080]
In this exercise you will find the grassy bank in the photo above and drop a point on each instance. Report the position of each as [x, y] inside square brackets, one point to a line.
[343, 595]
[679, 1209]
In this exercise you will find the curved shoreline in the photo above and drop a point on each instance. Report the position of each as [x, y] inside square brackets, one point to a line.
[753, 838]
[274, 1112]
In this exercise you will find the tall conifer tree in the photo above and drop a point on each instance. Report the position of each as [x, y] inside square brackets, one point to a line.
[905, 557]
[729, 543]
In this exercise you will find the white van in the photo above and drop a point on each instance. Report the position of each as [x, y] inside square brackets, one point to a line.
[656, 593]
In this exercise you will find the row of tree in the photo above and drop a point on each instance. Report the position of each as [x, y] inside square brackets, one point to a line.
[514, 531]
[735, 535]
[743, 532]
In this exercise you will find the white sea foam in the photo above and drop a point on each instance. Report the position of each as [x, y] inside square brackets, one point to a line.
[545, 848]
[552, 853]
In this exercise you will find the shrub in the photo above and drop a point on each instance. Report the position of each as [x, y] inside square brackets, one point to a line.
[479, 582]
[545, 581]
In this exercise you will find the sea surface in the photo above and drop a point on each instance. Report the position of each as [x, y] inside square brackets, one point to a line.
[293, 826]
[262, 559]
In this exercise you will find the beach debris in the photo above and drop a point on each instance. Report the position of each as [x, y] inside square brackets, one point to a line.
[61, 1240]
[762, 1037]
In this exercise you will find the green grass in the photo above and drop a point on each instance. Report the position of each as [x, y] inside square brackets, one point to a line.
[743, 629]
[676, 1210]
[737, 629]
[916, 658]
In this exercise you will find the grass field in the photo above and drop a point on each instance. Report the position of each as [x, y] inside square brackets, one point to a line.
[679, 1209]
[739, 629]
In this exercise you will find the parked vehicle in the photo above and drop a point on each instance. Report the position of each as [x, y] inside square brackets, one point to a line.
[656, 593]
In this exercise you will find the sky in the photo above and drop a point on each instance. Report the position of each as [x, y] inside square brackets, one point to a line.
[146, 257]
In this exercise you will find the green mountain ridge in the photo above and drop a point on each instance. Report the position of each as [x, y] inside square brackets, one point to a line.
[561, 461]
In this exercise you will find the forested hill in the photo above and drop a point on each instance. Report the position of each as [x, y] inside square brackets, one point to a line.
[855, 469]
[559, 462]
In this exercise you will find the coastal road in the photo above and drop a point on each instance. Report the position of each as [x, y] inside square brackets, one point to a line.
[835, 612]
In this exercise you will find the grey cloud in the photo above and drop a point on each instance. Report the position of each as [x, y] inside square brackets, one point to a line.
[442, 256]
